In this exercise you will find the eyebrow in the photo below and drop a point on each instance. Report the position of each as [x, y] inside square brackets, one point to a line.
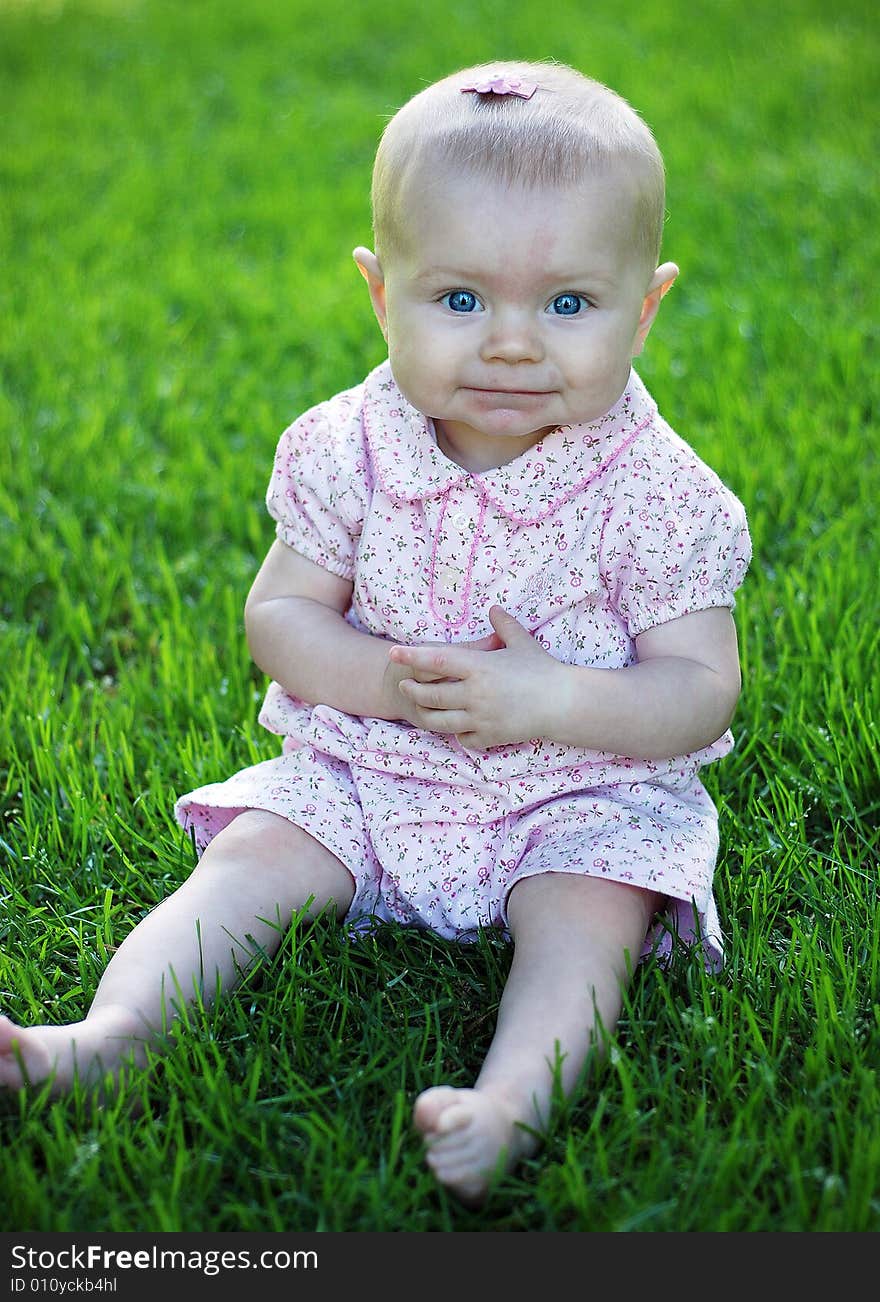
[460, 276]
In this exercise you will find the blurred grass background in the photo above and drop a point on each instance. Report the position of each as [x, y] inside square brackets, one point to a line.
[181, 186]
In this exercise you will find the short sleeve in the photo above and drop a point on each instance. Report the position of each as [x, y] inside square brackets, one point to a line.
[316, 494]
[674, 542]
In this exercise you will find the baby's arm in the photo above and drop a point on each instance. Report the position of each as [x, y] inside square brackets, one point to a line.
[298, 636]
[679, 697]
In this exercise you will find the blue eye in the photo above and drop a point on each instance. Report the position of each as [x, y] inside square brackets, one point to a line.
[461, 300]
[568, 304]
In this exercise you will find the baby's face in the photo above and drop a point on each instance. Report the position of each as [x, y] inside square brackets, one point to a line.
[510, 311]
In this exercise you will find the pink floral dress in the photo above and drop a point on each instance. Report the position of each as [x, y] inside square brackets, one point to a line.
[594, 534]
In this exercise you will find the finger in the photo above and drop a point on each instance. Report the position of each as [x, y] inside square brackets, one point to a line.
[401, 655]
[433, 695]
[436, 719]
[439, 662]
[449, 722]
[469, 741]
[491, 643]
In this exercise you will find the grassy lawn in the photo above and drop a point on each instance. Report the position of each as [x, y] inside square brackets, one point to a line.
[181, 185]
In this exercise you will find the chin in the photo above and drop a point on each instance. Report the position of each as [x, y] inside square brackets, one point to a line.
[514, 429]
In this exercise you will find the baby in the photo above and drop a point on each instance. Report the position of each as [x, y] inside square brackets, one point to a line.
[496, 620]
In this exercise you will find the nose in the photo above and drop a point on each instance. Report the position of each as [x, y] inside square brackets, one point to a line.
[512, 336]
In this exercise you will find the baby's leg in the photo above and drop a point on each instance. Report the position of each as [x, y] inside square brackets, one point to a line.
[571, 938]
[254, 874]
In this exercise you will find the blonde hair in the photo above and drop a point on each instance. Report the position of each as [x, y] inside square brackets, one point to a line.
[570, 128]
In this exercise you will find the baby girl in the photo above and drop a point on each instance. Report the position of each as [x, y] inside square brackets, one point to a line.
[495, 617]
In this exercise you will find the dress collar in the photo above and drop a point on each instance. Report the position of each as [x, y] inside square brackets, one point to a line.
[410, 466]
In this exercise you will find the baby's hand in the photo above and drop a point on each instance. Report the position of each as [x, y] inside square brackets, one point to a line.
[484, 700]
[401, 706]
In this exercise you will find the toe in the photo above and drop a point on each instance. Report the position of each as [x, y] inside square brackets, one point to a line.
[8, 1033]
[431, 1105]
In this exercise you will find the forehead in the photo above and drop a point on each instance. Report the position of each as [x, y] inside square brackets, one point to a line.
[452, 213]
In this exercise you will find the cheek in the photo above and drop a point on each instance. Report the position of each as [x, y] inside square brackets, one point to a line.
[425, 351]
[407, 330]
[586, 360]
[414, 364]
[599, 354]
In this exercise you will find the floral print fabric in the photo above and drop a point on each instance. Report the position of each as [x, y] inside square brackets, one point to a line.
[595, 534]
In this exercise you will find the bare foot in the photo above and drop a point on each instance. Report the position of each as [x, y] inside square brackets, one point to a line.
[471, 1136]
[30, 1055]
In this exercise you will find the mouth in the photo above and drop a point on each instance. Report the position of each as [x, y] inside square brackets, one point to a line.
[510, 393]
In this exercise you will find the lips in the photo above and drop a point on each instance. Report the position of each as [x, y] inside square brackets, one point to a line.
[511, 393]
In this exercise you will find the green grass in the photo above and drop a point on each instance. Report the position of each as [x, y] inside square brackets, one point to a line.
[180, 189]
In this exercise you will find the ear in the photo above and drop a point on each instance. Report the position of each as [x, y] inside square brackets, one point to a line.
[661, 283]
[371, 270]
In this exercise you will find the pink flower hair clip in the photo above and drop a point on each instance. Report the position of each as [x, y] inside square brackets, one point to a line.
[498, 84]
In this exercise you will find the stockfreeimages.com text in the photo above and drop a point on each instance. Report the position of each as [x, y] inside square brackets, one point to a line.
[209, 1262]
